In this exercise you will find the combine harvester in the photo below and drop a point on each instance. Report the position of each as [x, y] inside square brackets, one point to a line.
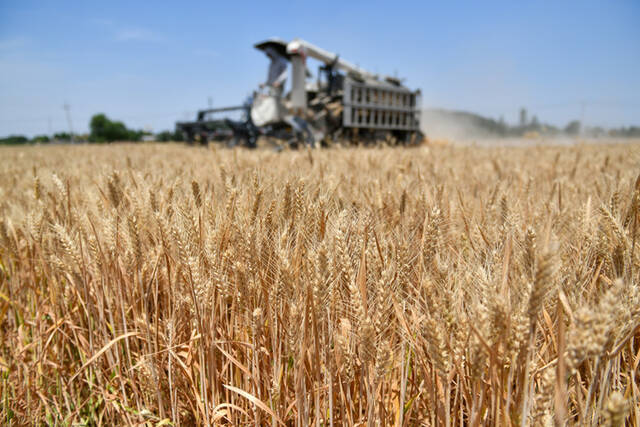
[344, 103]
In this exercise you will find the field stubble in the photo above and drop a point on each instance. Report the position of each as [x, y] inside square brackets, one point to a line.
[433, 286]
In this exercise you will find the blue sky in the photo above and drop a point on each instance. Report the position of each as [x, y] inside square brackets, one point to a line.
[152, 63]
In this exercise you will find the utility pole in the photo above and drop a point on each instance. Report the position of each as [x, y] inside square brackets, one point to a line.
[67, 110]
[210, 101]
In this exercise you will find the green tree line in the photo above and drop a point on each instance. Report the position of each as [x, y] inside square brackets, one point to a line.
[101, 130]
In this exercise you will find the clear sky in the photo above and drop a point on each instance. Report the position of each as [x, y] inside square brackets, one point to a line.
[152, 63]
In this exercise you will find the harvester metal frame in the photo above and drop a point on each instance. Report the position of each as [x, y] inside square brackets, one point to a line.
[351, 104]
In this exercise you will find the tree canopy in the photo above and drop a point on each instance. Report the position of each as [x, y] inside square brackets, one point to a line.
[105, 130]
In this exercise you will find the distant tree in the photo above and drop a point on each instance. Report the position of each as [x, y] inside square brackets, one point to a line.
[14, 140]
[573, 128]
[164, 136]
[105, 130]
[630, 132]
[168, 136]
[62, 136]
[40, 138]
[134, 135]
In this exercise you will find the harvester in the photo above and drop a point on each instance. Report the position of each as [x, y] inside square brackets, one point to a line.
[343, 103]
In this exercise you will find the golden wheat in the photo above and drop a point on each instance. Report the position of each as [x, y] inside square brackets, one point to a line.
[453, 286]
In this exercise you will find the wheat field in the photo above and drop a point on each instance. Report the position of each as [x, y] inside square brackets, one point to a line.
[436, 286]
